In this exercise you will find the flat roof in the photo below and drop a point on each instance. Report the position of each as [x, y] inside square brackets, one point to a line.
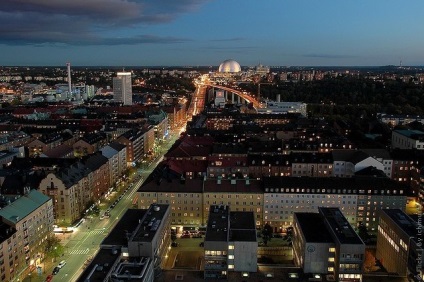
[151, 222]
[340, 226]
[125, 226]
[410, 133]
[218, 223]
[242, 226]
[132, 270]
[104, 258]
[311, 225]
[406, 223]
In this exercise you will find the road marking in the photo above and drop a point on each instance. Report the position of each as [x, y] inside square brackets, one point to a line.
[97, 232]
[79, 252]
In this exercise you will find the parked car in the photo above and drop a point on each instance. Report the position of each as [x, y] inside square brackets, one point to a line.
[61, 264]
[49, 278]
[187, 235]
[56, 270]
[197, 235]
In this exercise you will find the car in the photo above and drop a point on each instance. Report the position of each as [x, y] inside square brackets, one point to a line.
[186, 236]
[49, 278]
[101, 217]
[56, 270]
[61, 264]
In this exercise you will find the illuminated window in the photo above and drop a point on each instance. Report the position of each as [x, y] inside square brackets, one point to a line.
[230, 266]
[330, 259]
[230, 256]
[231, 247]
[332, 250]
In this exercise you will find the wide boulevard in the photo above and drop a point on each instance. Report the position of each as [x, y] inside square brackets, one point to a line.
[84, 242]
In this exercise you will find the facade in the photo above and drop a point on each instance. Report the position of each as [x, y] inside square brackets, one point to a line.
[70, 191]
[38, 146]
[336, 251]
[116, 153]
[184, 196]
[230, 243]
[244, 195]
[134, 142]
[89, 144]
[359, 198]
[25, 225]
[152, 237]
[399, 242]
[408, 139]
[122, 88]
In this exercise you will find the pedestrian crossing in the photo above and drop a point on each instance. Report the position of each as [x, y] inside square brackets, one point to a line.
[79, 252]
[97, 232]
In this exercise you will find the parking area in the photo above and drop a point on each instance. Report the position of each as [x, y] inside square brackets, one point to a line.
[186, 255]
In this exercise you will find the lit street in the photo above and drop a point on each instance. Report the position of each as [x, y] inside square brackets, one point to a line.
[84, 242]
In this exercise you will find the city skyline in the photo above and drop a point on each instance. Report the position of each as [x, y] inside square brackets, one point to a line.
[189, 32]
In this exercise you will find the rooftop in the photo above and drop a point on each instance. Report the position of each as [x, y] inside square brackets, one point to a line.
[150, 223]
[406, 223]
[410, 133]
[310, 224]
[242, 226]
[132, 271]
[104, 260]
[22, 207]
[218, 223]
[124, 228]
[340, 226]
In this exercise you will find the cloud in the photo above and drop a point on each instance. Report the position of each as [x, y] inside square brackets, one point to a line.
[329, 56]
[77, 22]
[228, 39]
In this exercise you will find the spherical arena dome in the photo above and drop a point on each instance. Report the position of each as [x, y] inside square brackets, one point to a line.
[229, 66]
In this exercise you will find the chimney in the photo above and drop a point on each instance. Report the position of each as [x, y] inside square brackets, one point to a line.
[68, 65]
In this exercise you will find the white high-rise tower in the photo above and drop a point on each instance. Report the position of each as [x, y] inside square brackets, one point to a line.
[122, 88]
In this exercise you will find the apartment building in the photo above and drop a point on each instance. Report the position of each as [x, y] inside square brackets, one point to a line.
[70, 191]
[359, 198]
[25, 224]
[117, 156]
[244, 195]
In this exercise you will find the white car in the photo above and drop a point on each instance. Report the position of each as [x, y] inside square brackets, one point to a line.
[61, 264]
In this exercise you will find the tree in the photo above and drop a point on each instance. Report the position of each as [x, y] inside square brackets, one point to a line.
[369, 262]
[266, 233]
[53, 247]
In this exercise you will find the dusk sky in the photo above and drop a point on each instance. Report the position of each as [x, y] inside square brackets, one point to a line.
[200, 32]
